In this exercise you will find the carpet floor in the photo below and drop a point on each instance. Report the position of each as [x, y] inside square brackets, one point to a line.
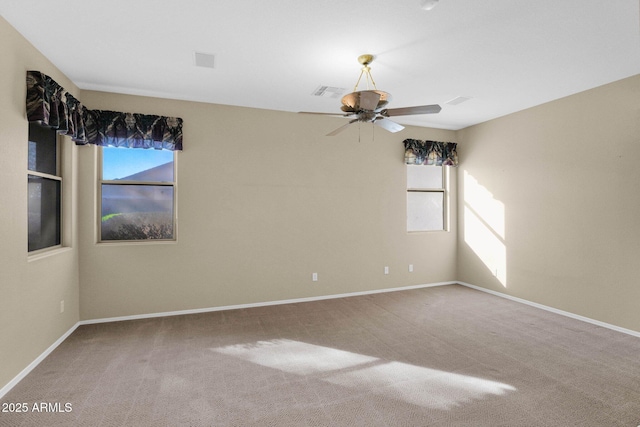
[440, 356]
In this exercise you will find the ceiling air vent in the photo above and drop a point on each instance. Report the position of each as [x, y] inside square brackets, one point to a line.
[204, 60]
[329, 91]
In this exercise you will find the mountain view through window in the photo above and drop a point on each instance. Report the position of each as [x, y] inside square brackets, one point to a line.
[137, 194]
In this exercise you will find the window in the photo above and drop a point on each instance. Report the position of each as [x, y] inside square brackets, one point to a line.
[426, 198]
[44, 188]
[137, 194]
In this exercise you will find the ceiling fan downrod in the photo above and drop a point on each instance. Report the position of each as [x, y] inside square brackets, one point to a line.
[365, 60]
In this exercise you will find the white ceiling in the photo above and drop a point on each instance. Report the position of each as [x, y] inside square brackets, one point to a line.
[507, 55]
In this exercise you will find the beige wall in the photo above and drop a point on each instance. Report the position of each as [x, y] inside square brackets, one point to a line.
[561, 213]
[548, 211]
[264, 200]
[30, 290]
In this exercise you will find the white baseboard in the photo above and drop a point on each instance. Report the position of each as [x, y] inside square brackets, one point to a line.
[352, 294]
[554, 310]
[40, 358]
[4, 390]
[258, 304]
[53, 346]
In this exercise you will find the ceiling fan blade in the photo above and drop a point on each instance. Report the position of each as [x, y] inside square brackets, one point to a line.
[369, 100]
[341, 128]
[389, 125]
[407, 111]
[326, 114]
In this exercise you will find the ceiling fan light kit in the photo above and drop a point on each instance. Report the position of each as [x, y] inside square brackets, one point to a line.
[369, 106]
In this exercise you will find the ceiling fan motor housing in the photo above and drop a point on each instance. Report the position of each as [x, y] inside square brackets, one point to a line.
[369, 105]
[351, 102]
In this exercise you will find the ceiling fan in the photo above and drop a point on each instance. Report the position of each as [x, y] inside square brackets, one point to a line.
[369, 106]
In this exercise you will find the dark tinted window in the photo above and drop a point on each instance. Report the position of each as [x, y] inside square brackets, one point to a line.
[42, 149]
[44, 212]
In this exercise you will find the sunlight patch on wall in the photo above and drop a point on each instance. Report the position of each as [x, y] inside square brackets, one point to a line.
[491, 251]
[417, 385]
[484, 227]
[482, 202]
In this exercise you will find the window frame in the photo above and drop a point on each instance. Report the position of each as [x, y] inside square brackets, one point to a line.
[101, 182]
[444, 190]
[32, 254]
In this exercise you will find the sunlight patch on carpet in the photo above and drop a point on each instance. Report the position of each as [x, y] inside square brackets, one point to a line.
[417, 385]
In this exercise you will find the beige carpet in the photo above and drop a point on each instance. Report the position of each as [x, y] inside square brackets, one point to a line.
[443, 356]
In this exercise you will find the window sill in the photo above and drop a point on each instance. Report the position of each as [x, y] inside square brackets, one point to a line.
[48, 252]
[135, 242]
[427, 231]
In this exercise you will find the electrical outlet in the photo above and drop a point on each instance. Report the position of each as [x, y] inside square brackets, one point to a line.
[314, 277]
[410, 268]
[62, 306]
[386, 270]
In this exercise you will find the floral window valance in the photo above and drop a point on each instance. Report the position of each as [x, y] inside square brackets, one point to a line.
[133, 130]
[434, 153]
[50, 105]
